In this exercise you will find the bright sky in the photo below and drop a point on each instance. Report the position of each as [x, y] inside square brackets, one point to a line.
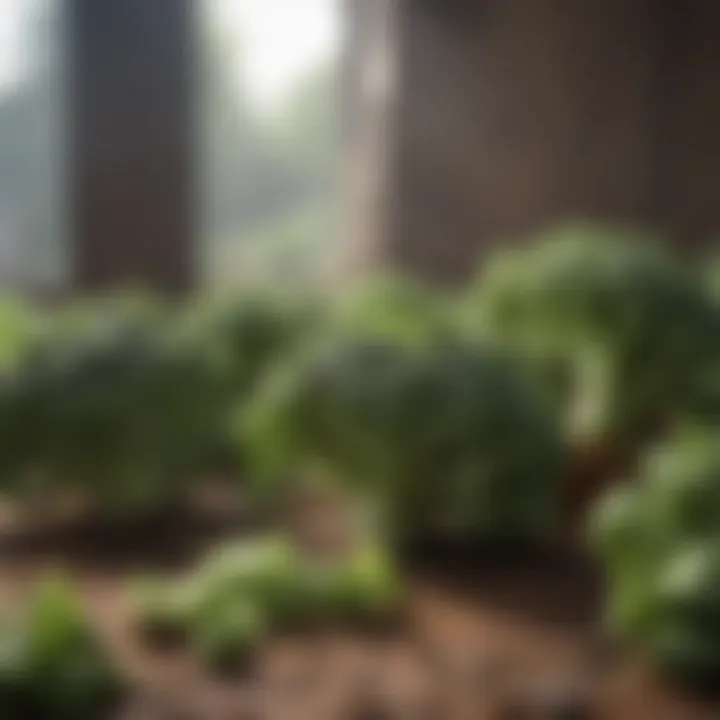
[9, 28]
[283, 39]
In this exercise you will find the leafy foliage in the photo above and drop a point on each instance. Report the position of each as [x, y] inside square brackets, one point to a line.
[660, 542]
[20, 324]
[292, 251]
[242, 336]
[247, 588]
[226, 634]
[129, 401]
[395, 309]
[449, 437]
[113, 402]
[711, 272]
[613, 324]
[246, 333]
[51, 664]
[707, 396]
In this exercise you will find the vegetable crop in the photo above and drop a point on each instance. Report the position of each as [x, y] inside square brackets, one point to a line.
[227, 634]
[52, 666]
[20, 324]
[395, 309]
[660, 542]
[711, 272]
[707, 386]
[248, 588]
[130, 401]
[242, 337]
[116, 404]
[251, 331]
[614, 325]
[450, 439]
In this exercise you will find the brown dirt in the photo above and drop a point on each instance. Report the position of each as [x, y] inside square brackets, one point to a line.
[486, 638]
[593, 470]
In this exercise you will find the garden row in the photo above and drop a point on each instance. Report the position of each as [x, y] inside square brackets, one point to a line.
[587, 358]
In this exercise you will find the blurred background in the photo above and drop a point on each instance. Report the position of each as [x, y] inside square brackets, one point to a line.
[267, 136]
[282, 142]
[32, 138]
[497, 463]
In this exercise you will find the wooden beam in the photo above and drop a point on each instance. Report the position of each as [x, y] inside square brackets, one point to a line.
[131, 142]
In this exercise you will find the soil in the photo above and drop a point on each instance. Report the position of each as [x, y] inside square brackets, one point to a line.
[486, 636]
[593, 469]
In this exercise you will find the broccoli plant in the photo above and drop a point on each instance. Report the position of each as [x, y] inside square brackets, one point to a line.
[613, 325]
[448, 439]
[120, 406]
[20, 327]
[659, 540]
[242, 336]
[711, 272]
[395, 309]
[243, 590]
[129, 401]
[20, 324]
[52, 666]
[250, 331]
[707, 386]
[227, 634]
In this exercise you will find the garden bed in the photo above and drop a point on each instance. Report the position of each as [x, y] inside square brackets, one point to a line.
[502, 414]
[483, 635]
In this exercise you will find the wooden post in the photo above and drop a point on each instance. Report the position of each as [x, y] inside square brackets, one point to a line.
[132, 200]
[507, 117]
